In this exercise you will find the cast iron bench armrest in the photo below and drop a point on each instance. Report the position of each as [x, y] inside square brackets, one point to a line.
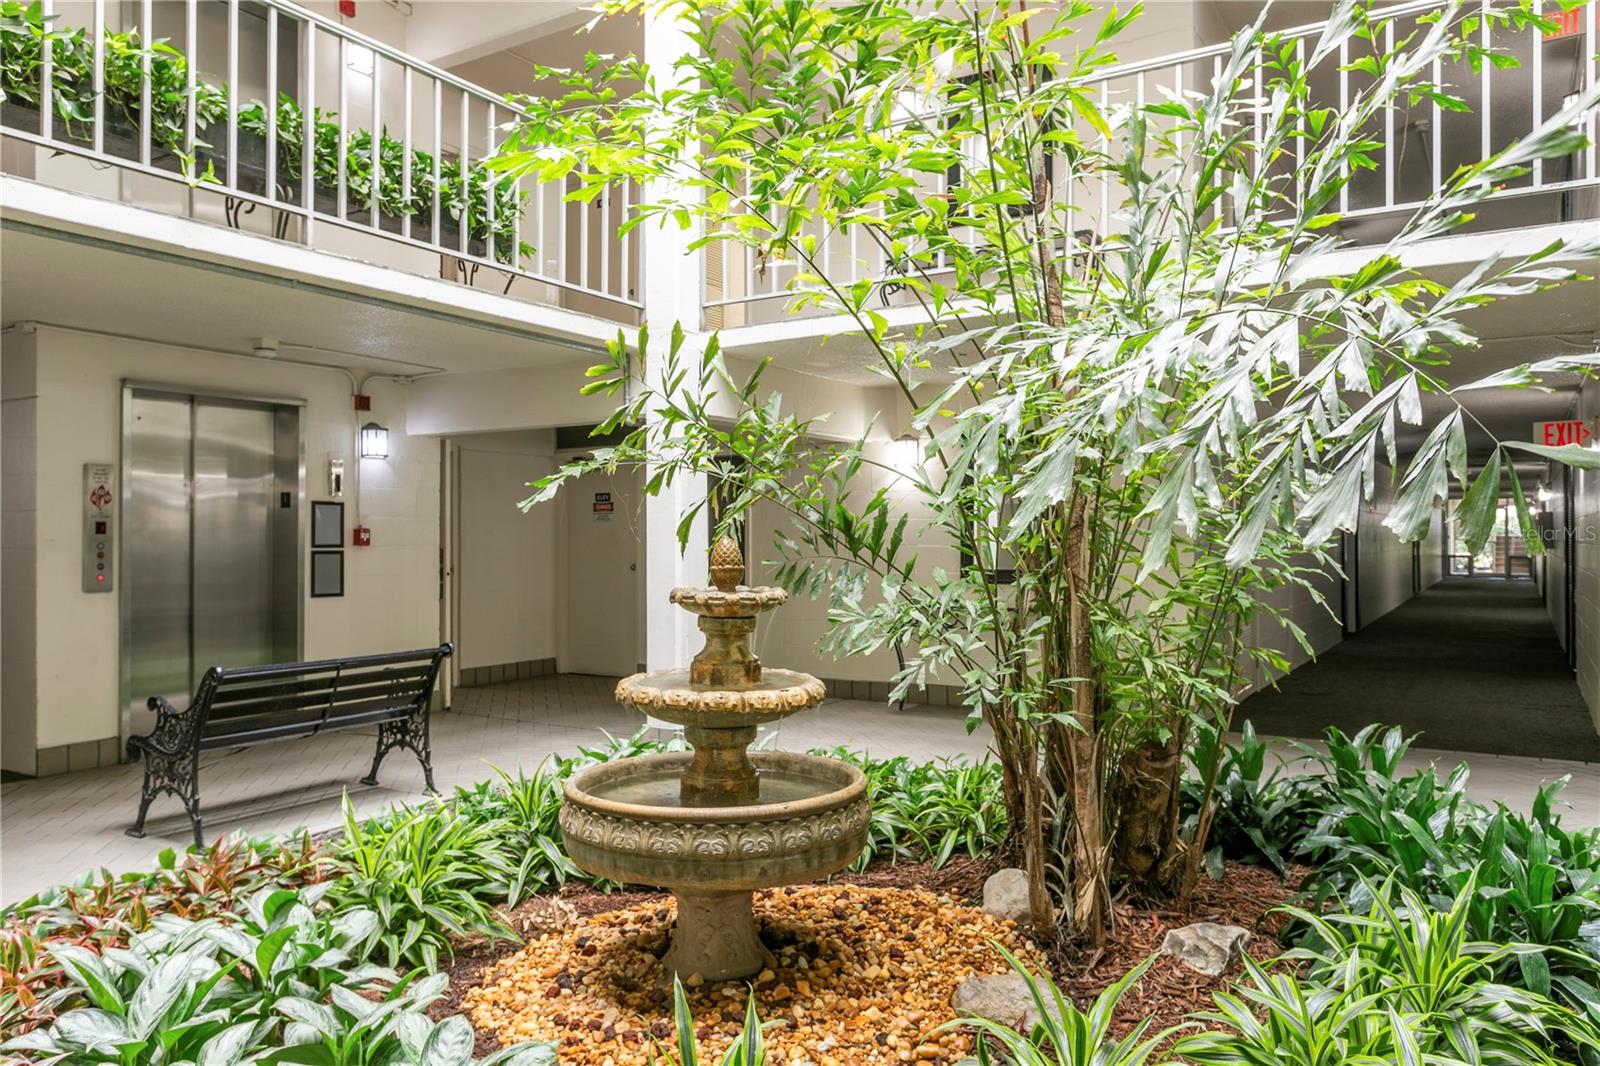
[174, 731]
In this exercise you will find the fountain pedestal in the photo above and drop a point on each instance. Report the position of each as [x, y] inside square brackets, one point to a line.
[714, 935]
[717, 824]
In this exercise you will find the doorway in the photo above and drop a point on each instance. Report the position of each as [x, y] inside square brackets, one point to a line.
[211, 545]
[600, 635]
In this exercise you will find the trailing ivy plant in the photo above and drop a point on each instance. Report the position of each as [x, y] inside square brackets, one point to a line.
[1159, 421]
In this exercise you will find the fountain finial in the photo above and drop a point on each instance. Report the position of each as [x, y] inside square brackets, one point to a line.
[727, 564]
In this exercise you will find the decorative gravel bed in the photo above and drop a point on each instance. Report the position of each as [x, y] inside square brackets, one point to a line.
[857, 975]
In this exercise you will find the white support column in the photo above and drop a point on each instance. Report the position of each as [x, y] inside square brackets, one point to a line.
[671, 281]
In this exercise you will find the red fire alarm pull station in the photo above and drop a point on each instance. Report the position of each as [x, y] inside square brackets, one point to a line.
[347, 8]
[361, 537]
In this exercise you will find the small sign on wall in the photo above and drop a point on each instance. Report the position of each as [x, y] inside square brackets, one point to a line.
[99, 514]
[1560, 434]
[603, 507]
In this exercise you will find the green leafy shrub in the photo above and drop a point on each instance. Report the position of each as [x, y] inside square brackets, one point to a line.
[102, 910]
[210, 993]
[1402, 983]
[1526, 879]
[182, 984]
[1067, 1036]
[929, 810]
[1261, 816]
[528, 806]
[428, 872]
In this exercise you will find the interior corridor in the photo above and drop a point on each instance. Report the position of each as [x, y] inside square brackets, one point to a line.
[1472, 664]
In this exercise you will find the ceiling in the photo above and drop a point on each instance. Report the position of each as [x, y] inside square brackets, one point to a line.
[58, 279]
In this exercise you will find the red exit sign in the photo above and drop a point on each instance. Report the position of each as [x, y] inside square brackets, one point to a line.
[1557, 434]
[1570, 23]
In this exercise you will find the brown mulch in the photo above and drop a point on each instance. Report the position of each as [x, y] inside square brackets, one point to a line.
[1168, 992]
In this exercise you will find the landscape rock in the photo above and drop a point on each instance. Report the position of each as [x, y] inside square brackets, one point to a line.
[1005, 895]
[1207, 947]
[1002, 998]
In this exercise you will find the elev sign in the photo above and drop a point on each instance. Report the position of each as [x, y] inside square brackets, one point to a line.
[1557, 434]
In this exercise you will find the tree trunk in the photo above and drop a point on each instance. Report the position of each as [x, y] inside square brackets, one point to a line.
[1147, 801]
[1088, 846]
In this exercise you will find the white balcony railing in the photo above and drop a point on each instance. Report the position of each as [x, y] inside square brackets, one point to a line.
[1422, 146]
[260, 115]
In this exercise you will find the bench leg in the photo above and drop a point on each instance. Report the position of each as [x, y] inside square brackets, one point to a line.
[178, 775]
[145, 796]
[409, 733]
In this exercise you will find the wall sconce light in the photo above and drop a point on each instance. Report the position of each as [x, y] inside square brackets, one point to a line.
[374, 441]
[905, 453]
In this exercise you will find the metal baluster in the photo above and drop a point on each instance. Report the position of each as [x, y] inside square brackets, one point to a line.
[626, 251]
[466, 174]
[271, 114]
[1300, 135]
[99, 76]
[749, 252]
[191, 50]
[1590, 44]
[1103, 225]
[491, 185]
[1438, 132]
[1216, 78]
[1177, 90]
[1344, 109]
[1487, 108]
[308, 133]
[562, 209]
[374, 148]
[147, 34]
[341, 206]
[408, 208]
[233, 94]
[1388, 126]
[605, 240]
[1538, 90]
[438, 151]
[540, 245]
[47, 75]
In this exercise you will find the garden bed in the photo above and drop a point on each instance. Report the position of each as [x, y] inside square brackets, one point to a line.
[589, 977]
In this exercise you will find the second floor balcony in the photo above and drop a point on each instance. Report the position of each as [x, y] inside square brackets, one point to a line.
[268, 118]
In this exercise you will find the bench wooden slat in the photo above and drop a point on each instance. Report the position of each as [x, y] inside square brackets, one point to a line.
[240, 720]
[399, 690]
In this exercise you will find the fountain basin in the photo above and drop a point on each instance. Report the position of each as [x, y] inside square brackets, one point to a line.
[671, 696]
[625, 821]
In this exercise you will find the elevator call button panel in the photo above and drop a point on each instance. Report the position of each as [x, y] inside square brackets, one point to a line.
[99, 525]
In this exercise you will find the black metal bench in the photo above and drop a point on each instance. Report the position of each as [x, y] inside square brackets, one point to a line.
[253, 705]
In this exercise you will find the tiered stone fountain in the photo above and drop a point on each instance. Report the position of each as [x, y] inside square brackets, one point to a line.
[717, 824]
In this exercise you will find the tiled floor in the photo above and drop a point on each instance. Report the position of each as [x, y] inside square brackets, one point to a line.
[54, 828]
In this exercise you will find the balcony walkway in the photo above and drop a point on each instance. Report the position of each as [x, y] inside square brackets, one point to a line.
[1472, 664]
[55, 828]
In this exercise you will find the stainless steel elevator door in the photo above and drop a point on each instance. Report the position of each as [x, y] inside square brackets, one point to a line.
[155, 548]
[212, 545]
[233, 558]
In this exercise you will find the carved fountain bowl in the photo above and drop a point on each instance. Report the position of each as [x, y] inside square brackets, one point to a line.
[622, 820]
[670, 696]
